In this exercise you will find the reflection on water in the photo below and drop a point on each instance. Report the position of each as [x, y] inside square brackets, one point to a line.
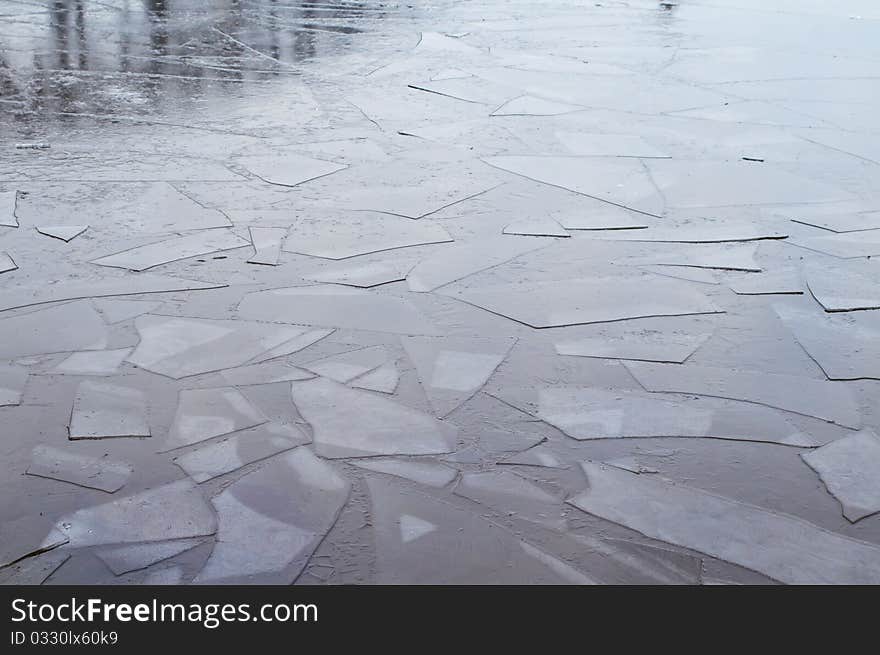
[137, 56]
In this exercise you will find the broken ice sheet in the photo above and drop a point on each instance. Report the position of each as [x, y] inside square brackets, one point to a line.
[590, 176]
[513, 495]
[62, 232]
[335, 306]
[467, 89]
[8, 200]
[542, 226]
[294, 345]
[206, 413]
[783, 282]
[782, 547]
[133, 557]
[384, 379]
[26, 536]
[360, 233]
[844, 347]
[151, 255]
[599, 216]
[527, 105]
[350, 423]
[239, 450]
[6, 263]
[431, 474]
[463, 259]
[265, 373]
[843, 246]
[700, 275]
[66, 328]
[272, 519]
[79, 469]
[92, 362]
[586, 413]
[845, 287]
[290, 169]
[267, 245]
[33, 570]
[720, 257]
[848, 468]
[12, 380]
[808, 396]
[452, 369]
[348, 365]
[630, 464]
[116, 311]
[175, 510]
[594, 300]
[671, 347]
[609, 145]
[104, 411]
[362, 275]
[422, 540]
[121, 286]
[179, 347]
[698, 231]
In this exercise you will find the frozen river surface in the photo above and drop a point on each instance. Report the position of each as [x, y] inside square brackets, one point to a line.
[448, 292]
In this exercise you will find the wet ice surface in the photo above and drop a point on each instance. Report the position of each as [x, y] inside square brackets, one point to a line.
[450, 294]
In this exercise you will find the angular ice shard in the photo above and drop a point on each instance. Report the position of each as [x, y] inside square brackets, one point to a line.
[105, 411]
[179, 347]
[8, 200]
[842, 223]
[609, 145]
[587, 413]
[535, 456]
[133, 557]
[510, 494]
[527, 105]
[384, 379]
[591, 176]
[701, 231]
[239, 450]
[149, 256]
[600, 216]
[92, 362]
[272, 519]
[289, 169]
[26, 536]
[452, 369]
[175, 510]
[334, 306]
[360, 233]
[782, 547]
[6, 263]
[206, 413]
[279, 370]
[62, 232]
[430, 474]
[12, 380]
[267, 245]
[845, 348]
[848, 467]
[346, 366]
[351, 423]
[594, 300]
[120, 286]
[725, 258]
[463, 259]
[116, 311]
[808, 396]
[844, 246]
[672, 347]
[65, 465]
[362, 275]
[66, 328]
[33, 570]
[845, 288]
[536, 227]
[461, 548]
[294, 345]
[786, 282]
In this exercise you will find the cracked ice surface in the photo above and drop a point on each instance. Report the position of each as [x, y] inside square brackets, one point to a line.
[356, 292]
